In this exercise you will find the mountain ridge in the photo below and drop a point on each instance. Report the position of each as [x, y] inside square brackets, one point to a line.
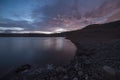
[94, 32]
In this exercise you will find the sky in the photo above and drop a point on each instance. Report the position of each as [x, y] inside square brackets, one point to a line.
[55, 15]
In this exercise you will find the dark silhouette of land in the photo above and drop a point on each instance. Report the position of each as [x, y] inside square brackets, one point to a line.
[96, 32]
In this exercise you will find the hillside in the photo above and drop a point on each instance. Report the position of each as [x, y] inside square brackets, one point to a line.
[95, 32]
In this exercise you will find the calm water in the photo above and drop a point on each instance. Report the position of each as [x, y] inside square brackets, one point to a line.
[16, 51]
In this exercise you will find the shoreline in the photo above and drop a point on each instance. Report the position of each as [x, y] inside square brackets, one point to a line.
[93, 61]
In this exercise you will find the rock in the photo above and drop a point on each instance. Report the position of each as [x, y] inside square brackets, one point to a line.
[109, 72]
[118, 75]
[80, 73]
[23, 68]
[86, 76]
[65, 77]
[87, 62]
[75, 78]
[50, 66]
[60, 68]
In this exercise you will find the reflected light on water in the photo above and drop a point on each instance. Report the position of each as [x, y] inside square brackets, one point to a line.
[48, 42]
[59, 44]
[55, 42]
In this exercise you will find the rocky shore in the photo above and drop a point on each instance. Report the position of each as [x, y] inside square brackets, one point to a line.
[93, 61]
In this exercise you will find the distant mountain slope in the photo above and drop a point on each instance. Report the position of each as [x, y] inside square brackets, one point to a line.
[97, 32]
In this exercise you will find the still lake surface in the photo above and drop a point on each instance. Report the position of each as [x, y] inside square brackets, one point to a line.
[17, 51]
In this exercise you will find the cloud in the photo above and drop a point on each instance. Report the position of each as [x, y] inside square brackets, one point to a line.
[108, 7]
[74, 14]
[50, 11]
[76, 8]
[11, 28]
[4, 23]
[51, 15]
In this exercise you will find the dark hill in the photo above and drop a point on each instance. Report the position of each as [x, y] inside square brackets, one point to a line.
[96, 32]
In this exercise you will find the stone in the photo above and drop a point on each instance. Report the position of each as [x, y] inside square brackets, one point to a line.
[86, 77]
[80, 73]
[109, 73]
[65, 77]
[109, 70]
[23, 68]
[75, 78]
[50, 66]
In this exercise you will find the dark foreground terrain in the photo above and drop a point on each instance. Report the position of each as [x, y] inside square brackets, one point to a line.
[97, 57]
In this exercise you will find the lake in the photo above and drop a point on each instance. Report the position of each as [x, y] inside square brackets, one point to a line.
[17, 51]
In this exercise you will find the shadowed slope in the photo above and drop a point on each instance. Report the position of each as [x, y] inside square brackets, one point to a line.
[95, 32]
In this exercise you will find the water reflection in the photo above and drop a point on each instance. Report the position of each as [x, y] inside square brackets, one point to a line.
[56, 43]
[17, 51]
